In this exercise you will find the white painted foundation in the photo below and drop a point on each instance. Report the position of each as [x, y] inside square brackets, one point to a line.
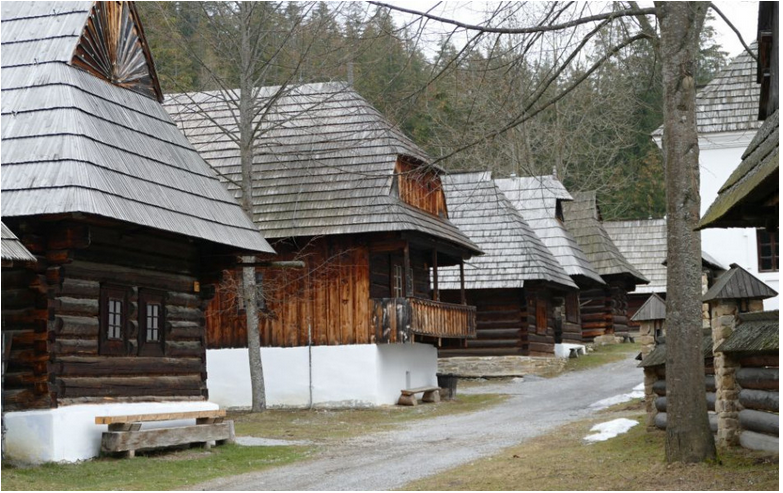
[69, 433]
[361, 375]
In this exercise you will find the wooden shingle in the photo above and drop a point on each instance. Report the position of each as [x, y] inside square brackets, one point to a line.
[12, 249]
[737, 283]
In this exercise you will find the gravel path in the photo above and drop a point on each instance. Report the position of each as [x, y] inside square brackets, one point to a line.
[389, 460]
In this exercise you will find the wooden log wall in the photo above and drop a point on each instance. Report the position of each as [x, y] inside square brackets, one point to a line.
[421, 187]
[595, 315]
[501, 323]
[618, 307]
[59, 356]
[331, 295]
[758, 378]
[659, 389]
[24, 321]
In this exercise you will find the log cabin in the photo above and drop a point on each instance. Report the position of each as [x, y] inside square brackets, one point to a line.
[338, 187]
[540, 201]
[517, 286]
[604, 310]
[127, 224]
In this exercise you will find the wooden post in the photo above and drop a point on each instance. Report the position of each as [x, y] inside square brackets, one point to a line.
[463, 298]
[408, 277]
[435, 293]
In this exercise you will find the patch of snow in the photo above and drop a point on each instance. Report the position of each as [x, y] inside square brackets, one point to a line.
[268, 442]
[610, 429]
[636, 393]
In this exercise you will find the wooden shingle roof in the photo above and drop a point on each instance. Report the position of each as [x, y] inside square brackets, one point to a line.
[75, 143]
[756, 331]
[749, 196]
[652, 309]
[657, 356]
[730, 102]
[324, 164]
[583, 219]
[513, 254]
[536, 198]
[12, 249]
[643, 243]
[737, 283]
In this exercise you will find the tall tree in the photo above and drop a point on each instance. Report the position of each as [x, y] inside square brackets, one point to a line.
[688, 435]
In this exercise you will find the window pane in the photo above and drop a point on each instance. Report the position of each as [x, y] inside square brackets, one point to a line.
[114, 329]
[153, 322]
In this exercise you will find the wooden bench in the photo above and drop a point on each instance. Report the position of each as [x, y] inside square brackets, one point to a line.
[408, 396]
[125, 433]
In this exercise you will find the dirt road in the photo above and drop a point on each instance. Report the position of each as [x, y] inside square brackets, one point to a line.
[389, 460]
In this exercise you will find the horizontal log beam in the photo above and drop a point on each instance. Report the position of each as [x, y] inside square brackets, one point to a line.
[759, 421]
[758, 378]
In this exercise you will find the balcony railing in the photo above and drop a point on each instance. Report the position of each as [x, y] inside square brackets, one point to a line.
[399, 319]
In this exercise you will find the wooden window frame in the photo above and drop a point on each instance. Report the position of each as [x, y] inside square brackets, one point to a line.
[773, 258]
[110, 346]
[572, 308]
[149, 298]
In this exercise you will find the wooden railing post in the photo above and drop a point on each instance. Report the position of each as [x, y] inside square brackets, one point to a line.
[408, 272]
[435, 293]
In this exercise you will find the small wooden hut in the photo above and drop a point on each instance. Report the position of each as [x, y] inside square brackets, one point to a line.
[517, 285]
[127, 224]
[540, 201]
[604, 309]
[336, 186]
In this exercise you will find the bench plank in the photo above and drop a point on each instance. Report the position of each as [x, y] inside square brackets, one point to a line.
[419, 389]
[138, 418]
[124, 441]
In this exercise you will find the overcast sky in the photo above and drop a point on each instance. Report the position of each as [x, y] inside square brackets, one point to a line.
[744, 15]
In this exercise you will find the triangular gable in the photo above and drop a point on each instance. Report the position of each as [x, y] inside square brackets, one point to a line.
[652, 309]
[113, 47]
[738, 284]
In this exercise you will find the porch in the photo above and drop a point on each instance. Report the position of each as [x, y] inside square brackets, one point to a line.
[402, 319]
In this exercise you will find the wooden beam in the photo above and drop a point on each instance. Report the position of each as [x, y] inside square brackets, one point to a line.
[435, 293]
[463, 298]
[408, 271]
[274, 264]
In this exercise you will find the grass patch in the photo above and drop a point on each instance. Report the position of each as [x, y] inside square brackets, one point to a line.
[324, 424]
[166, 470]
[157, 471]
[634, 461]
[602, 355]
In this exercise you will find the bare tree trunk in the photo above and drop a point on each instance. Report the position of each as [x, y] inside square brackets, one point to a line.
[688, 435]
[251, 291]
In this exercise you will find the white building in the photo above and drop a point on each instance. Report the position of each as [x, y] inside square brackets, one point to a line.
[727, 119]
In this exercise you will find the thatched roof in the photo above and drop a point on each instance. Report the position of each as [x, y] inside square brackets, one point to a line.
[583, 219]
[749, 196]
[738, 283]
[652, 309]
[730, 102]
[538, 199]
[12, 248]
[513, 254]
[324, 162]
[643, 243]
[73, 142]
[757, 331]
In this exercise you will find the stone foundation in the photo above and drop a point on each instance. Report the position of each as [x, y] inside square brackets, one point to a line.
[607, 339]
[650, 376]
[500, 366]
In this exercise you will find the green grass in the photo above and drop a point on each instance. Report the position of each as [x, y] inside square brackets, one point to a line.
[160, 471]
[602, 355]
[167, 470]
[323, 425]
[562, 460]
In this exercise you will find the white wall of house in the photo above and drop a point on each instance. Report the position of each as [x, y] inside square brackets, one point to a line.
[719, 155]
[69, 433]
[361, 375]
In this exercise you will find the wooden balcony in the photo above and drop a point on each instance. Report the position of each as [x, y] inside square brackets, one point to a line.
[401, 319]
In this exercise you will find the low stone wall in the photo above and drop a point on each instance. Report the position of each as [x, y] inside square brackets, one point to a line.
[500, 366]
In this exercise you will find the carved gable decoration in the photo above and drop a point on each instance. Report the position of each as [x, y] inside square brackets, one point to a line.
[113, 48]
